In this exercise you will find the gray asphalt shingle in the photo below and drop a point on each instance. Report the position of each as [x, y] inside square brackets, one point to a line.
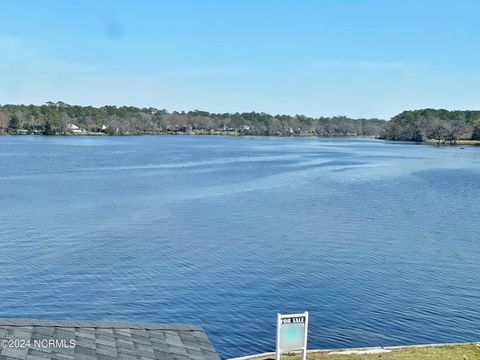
[51, 339]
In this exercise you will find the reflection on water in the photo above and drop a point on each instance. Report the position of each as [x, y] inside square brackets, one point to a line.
[378, 241]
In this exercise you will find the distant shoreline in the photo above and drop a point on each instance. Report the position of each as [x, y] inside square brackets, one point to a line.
[52, 118]
[464, 142]
[193, 134]
[456, 142]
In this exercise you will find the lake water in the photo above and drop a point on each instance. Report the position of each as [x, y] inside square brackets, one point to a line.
[379, 241]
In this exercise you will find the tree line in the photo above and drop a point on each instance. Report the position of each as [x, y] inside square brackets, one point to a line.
[57, 118]
[433, 124]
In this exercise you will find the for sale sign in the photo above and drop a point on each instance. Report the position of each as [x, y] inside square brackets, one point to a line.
[292, 333]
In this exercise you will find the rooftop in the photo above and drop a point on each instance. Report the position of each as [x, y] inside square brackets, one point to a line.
[91, 340]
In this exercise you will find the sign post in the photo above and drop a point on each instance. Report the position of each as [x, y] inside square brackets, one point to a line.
[292, 331]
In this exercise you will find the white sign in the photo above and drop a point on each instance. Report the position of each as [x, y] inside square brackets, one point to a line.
[292, 332]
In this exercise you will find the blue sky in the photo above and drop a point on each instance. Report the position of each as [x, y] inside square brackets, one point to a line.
[320, 58]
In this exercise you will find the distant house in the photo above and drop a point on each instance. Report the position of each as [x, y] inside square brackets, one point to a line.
[37, 129]
[22, 132]
[98, 128]
[73, 128]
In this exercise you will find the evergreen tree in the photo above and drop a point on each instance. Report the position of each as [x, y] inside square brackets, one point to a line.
[48, 130]
[14, 124]
[476, 132]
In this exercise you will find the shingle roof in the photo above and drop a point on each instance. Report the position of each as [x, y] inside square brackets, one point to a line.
[51, 339]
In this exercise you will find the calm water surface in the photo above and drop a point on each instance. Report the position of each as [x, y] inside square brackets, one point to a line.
[379, 241]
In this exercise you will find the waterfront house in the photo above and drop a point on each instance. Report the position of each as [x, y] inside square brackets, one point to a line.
[74, 128]
[37, 129]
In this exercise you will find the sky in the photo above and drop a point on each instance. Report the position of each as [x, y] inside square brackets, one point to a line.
[357, 58]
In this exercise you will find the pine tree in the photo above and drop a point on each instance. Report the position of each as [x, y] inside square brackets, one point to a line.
[48, 130]
[14, 124]
[476, 132]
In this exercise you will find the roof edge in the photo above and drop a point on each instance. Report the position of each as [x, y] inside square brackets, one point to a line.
[97, 324]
